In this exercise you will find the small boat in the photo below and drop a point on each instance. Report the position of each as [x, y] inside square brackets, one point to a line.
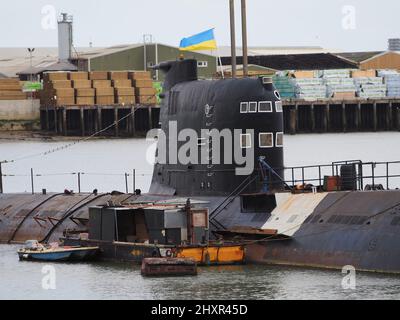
[168, 267]
[35, 251]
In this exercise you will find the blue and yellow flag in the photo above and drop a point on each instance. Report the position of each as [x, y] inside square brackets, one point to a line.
[201, 41]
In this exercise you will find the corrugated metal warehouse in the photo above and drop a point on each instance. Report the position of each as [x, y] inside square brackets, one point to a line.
[142, 57]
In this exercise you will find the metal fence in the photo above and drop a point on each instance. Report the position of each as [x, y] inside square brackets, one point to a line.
[121, 181]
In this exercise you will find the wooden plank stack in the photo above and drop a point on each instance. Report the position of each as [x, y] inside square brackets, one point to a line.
[57, 90]
[145, 93]
[11, 89]
[124, 92]
[98, 88]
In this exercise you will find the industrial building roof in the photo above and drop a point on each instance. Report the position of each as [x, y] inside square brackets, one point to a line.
[16, 60]
[297, 61]
[359, 56]
[225, 51]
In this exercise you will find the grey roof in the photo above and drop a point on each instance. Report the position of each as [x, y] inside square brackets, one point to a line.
[225, 51]
[15, 60]
[58, 66]
[359, 56]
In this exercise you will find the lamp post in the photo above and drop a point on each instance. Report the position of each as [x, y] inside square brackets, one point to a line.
[31, 50]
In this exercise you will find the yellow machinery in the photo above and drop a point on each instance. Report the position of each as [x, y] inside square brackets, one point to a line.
[213, 255]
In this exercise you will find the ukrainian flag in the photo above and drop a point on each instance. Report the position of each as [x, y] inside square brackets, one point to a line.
[201, 41]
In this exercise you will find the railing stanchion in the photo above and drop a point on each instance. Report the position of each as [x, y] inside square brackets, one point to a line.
[387, 175]
[32, 182]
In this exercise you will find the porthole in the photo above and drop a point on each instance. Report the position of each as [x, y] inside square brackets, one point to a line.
[277, 94]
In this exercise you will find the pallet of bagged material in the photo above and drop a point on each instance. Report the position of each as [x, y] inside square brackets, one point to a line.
[105, 100]
[125, 99]
[140, 75]
[304, 74]
[98, 75]
[82, 84]
[58, 84]
[119, 83]
[363, 73]
[79, 75]
[104, 92]
[52, 76]
[147, 100]
[118, 75]
[101, 84]
[146, 91]
[143, 83]
[85, 101]
[125, 91]
[85, 92]
[65, 101]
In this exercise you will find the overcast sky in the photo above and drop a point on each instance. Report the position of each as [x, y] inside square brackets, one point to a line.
[334, 24]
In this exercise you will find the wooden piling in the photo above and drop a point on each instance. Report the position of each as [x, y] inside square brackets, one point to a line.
[293, 116]
[358, 117]
[327, 118]
[389, 116]
[82, 120]
[375, 117]
[398, 117]
[116, 122]
[344, 119]
[55, 120]
[312, 117]
[132, 122]
[64, 121]
[150, 118]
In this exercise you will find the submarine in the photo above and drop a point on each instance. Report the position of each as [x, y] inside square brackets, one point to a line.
[221, 147]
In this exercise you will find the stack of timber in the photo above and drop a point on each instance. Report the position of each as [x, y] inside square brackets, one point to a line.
[103, 87]
[11, 89]
[57, 90]
[123, 89]
[145, 92]
[84, 93]
[98, 88]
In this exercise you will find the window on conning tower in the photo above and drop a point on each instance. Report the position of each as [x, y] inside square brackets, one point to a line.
[245, 141]
[253, 107]
[279, 139]
[265, 106]
[278, 106]
[266, 140]
[244, 107]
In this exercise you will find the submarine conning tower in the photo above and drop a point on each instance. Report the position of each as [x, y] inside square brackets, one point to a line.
[226, 121]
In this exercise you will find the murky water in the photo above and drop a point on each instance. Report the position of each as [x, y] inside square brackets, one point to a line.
[23, 280]
[105, 163]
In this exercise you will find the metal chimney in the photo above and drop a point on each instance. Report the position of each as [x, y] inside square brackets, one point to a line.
[65, 39]
[394, 44]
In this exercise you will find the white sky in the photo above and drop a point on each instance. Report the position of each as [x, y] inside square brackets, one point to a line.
[270, 23]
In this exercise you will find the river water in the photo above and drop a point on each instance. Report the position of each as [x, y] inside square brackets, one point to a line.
[105, 162]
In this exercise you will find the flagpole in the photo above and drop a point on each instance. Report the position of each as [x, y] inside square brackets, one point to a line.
[220, 62]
